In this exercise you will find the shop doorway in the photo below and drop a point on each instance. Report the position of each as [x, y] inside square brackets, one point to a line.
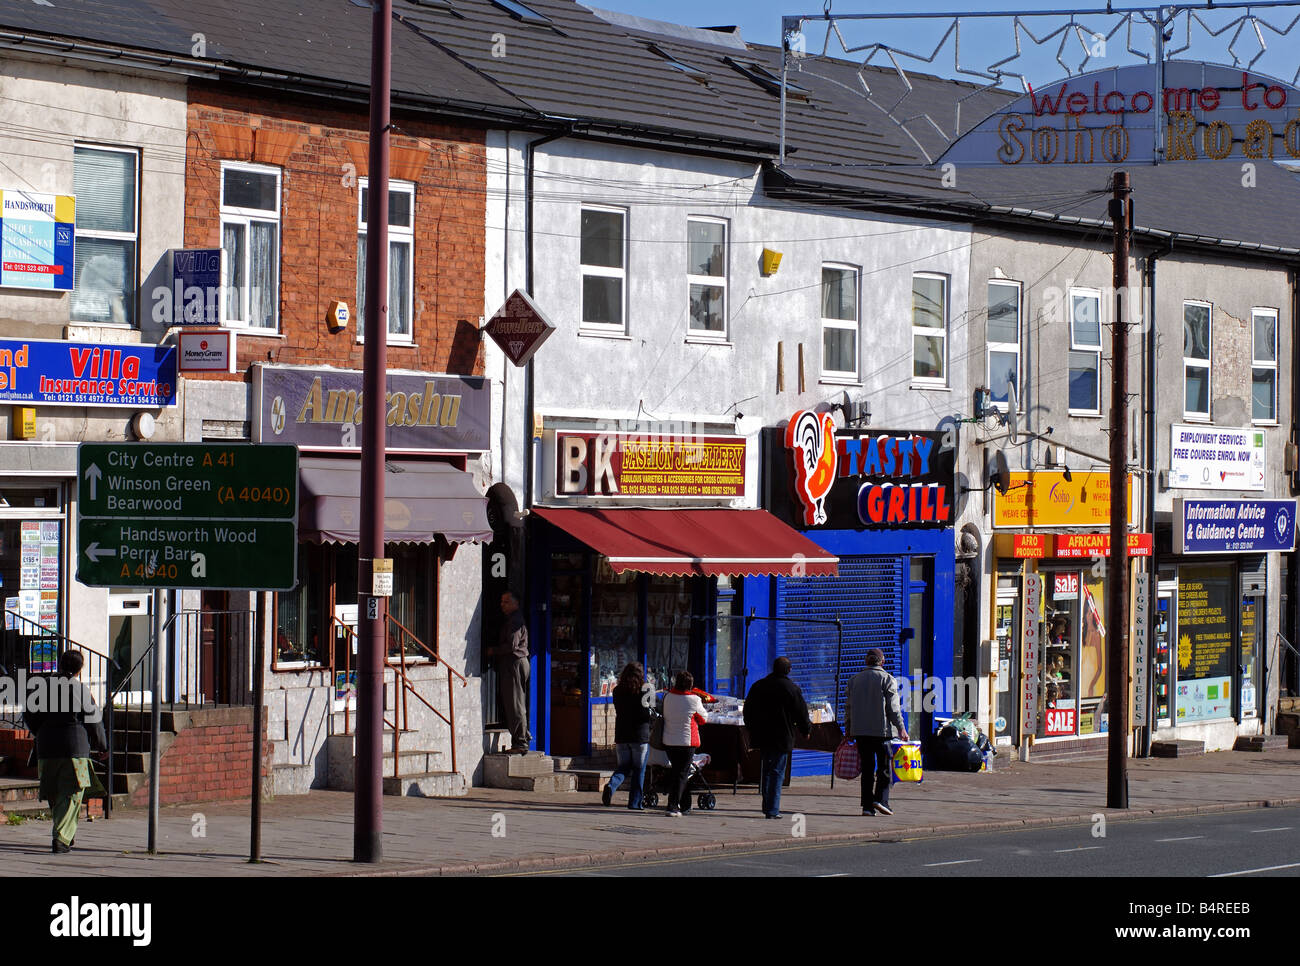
[1006, 624]
[1251, 661]
[130, 625]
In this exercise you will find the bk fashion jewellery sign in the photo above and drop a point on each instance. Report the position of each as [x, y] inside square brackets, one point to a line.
[644, 465]
[87, 374]
[1121, 115]
[842, 480]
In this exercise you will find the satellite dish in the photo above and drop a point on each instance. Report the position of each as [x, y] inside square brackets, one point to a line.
[1013, 414]
[1001, 473]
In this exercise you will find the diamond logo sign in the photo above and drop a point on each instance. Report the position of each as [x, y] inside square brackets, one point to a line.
[519, 328]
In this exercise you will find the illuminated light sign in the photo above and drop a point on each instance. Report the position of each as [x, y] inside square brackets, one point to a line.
[643, 465]
[1115, 116]
[845, 480]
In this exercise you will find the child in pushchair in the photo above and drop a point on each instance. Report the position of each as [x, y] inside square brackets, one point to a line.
[659, 775]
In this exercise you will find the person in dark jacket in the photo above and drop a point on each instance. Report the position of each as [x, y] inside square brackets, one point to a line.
[871, 715]
[774, 711]
[633, 698]
[66, 724]
[511, 655]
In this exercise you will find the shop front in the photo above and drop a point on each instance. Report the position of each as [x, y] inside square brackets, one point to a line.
[883, 503]
[639, 555]
[1049, 610]
[1217, 584]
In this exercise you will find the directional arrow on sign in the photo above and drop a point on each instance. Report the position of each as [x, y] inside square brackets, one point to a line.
[95, 551]
[93, 473]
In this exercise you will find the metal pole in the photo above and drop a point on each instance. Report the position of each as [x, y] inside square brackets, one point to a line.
[368, 818]
[155, 723]
[1117, 657]
[259, 705]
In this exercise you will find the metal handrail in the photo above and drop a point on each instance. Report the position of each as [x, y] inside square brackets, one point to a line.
[426, 648]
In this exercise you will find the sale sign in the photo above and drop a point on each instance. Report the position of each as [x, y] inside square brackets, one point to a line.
[1065, 586]
[1058, 721]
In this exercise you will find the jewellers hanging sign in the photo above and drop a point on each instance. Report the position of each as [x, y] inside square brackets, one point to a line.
[320, 408]
[1211, 458]
[842, 480]
[1119, 116]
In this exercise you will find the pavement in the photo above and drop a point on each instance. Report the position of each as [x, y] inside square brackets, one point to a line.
[496, 831]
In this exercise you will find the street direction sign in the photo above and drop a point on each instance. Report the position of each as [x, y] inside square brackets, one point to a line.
[215, 516]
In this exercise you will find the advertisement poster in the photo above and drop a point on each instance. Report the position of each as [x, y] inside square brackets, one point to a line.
[86, 374]
[1233, 526]
[1205, 643]
[1210, 458]
[37, 234]
[11, 613]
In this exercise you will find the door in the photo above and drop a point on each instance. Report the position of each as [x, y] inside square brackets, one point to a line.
[1252, 630]
[214, 648]
[129, 629]
[1006, 642]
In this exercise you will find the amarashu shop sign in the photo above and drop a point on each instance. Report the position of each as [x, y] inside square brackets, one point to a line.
[48, 373]
[1121, 115]
[823, 477]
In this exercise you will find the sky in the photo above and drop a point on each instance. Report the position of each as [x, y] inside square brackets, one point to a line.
[760, 22]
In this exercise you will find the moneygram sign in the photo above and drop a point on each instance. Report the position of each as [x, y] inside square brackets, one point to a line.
[1119, 115]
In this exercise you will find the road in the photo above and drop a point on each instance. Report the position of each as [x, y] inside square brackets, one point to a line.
[1257, 842]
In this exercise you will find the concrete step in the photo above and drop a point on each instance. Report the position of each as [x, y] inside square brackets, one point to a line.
[1290, 704]
[14, 791]
[1177, 749]
[126, 761]
[586, 779]
[1261, 743]
[433, 784]
[1288, 722]
[530, 765]
[292, 778]
[557, 782]
[126, 782]
[1038, 757]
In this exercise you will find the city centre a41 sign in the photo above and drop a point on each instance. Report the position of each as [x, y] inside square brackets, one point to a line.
[187, 515]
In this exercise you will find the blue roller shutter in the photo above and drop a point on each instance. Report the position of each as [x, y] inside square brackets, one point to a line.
[868, 596]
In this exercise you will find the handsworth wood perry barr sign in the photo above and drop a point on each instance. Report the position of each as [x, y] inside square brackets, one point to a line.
[1119, 115]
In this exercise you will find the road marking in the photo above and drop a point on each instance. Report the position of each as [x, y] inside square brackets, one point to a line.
[931, 865]
[1282, 828]
[1081, 848]
[1182, 838]
[1269, 868]
[832, 875]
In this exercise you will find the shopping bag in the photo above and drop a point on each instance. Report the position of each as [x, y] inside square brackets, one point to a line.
[657, 731]
[846, 761]
[907, 761]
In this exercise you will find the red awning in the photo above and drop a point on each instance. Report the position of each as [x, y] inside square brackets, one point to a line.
[713, 542]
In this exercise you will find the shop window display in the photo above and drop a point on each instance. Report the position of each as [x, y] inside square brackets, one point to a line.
[668, 642]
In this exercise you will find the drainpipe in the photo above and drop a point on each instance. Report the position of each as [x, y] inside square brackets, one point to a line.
[1293, 564]
[1149, 514]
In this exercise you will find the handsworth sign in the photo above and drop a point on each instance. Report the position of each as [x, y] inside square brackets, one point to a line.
[1206, 111]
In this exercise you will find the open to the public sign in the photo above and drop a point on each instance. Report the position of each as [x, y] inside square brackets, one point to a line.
[519, 328]
[187, 515]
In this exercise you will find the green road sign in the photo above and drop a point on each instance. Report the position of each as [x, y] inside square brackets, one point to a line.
[187, 515]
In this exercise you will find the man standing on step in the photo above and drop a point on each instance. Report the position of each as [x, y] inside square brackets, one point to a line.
[870, 709]
[65, 723]
[774, 711]
[511, 655]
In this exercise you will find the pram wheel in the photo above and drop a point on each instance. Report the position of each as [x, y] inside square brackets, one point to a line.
[652, 800]
[707, 801]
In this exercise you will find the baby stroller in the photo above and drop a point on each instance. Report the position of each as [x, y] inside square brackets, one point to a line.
[659, 774]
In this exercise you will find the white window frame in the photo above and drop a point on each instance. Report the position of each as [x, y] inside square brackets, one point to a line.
[853, 325]
[604, 271]
[941, 333]
[1207, 364]
[398, 234]
[1078, 346]
[1006, 346]
[231, 214]
[132, 236]
[1257, 363]
[714, 281]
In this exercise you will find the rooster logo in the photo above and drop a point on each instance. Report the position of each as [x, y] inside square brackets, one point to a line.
[810, 437]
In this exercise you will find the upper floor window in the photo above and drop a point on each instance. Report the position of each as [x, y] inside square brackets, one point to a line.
[401, 246]
[840, 321]
[929, 327]
[250, 241]
[1196, 359]
[1263, 370]
[706, 275]
[105, 181]
[603, 256]
[1085, 351]
[1004, 342]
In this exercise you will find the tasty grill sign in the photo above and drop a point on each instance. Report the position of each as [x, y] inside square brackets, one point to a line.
[842, 480]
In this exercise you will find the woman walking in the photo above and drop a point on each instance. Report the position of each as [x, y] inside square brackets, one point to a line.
[632, 700]
[683, 714]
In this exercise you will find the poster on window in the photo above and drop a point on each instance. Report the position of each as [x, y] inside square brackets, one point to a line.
[1205, 643]
[11, 613]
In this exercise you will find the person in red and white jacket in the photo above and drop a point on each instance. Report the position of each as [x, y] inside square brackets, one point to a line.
[683, 715]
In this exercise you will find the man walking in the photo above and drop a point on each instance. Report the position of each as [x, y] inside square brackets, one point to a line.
[66, 723]
[871, 708]
[774, 711]
[511, 655]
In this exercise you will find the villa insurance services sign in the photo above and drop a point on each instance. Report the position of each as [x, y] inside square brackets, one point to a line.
[201, 515]
[86, 374]
[1118, 115]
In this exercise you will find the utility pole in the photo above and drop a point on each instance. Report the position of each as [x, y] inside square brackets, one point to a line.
[1121, 216]
[368, 815]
